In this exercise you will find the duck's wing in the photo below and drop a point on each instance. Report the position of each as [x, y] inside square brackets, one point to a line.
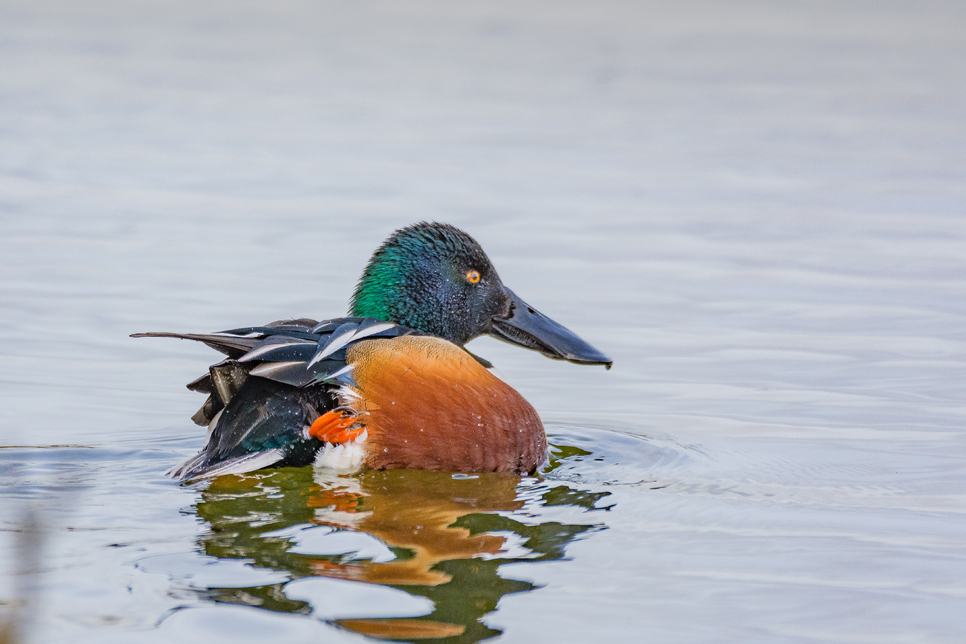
[317, 356]
[299, 353]
[238, 342]
[272, 384]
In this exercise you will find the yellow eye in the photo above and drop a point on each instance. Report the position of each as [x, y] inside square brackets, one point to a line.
[473, 277]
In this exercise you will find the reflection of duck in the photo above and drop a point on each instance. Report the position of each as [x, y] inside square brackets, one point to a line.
[391, 387]
[449, 536]
[419, 512]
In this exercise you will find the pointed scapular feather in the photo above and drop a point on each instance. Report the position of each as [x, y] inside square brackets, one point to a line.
[372, 327]
[301, 324]
[339, 338]
[228, 345]
[280, 348]
[291, 373]
[327, 370]
[267, 331]
[301, 374]
[293, 352]
[333, 375]
[326, 326]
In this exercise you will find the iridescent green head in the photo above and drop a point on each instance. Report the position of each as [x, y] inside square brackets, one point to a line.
[436, 279]
[433, 278]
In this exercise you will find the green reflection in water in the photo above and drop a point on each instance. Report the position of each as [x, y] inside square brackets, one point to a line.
[449, 536]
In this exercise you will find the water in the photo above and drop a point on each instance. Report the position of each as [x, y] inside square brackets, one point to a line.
[757, 209]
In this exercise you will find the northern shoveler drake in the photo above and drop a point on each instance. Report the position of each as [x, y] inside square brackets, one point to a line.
[392, 386]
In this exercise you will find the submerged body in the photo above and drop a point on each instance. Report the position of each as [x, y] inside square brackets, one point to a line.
[393, 386]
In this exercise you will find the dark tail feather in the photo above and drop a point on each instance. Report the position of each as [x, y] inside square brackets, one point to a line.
[232, 346]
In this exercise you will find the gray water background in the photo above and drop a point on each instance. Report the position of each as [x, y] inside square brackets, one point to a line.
[756, 208]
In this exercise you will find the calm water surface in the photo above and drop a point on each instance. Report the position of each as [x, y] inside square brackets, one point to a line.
[757, 209]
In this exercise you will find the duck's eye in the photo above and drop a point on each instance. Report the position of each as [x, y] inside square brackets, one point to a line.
[473, 277]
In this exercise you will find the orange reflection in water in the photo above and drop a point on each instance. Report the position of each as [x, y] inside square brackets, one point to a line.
[449, 534]
[415, 511]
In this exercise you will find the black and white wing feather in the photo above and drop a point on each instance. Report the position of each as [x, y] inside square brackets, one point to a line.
[276, 380]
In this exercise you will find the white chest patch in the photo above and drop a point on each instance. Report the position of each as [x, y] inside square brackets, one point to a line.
[345, 458]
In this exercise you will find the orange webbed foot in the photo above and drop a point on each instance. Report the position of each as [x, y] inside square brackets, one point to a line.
[336, 427]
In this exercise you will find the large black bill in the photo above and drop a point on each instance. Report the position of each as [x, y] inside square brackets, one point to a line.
[529, 328]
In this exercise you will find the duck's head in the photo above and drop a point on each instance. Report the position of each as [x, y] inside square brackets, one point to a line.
[436, 279]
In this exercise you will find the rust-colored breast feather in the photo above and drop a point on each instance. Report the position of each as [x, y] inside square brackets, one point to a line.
[433, 407]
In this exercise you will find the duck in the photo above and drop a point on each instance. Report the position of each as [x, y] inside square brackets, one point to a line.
[392, 384]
